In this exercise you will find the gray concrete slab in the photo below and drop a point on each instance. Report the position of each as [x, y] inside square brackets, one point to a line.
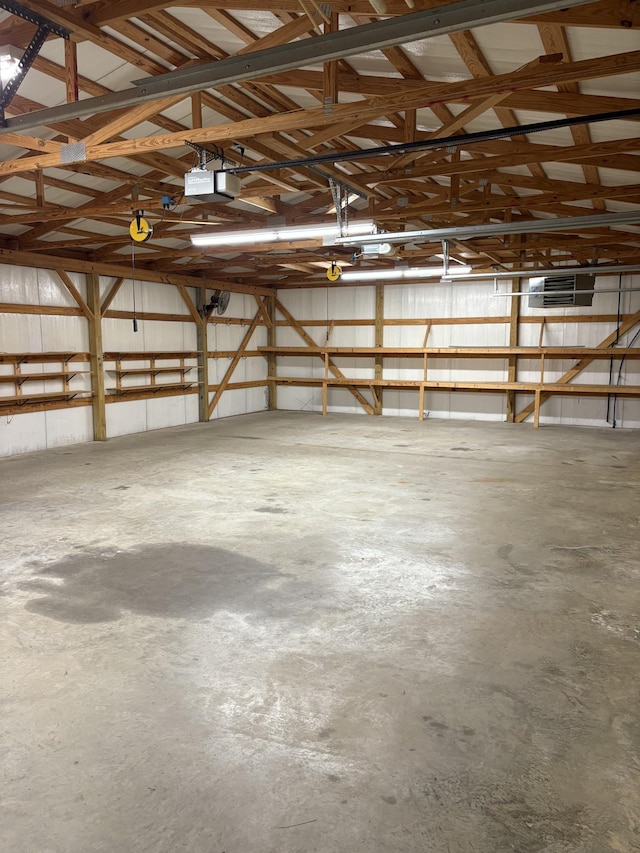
[285, 634]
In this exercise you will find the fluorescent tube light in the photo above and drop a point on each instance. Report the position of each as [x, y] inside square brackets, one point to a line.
[327, 233]
[399, 273]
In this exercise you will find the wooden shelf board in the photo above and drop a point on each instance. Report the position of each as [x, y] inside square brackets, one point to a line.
[133, 389]
[21, 378]
[435, 385]
[42, 357]
[148, 371]
[48, 395]
[148, 356]
[460, 352]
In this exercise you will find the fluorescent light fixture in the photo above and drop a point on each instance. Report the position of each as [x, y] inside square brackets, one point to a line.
[327, 233]
[398, 273]
[530, 226]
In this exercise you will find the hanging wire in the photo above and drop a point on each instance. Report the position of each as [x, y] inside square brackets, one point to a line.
[133, 284]
[326, 340]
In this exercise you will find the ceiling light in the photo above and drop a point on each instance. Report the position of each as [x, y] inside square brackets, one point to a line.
[398, 273]
[329, 234]
[10, 56]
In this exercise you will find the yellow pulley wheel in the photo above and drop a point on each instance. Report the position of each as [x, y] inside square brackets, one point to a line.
[334, 272]
[140, 230]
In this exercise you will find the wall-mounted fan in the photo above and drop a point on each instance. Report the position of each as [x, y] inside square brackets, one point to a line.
[219, 303]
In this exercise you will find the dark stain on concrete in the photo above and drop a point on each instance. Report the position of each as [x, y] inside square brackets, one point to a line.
[505, 552]
[323, 734]
[168, 581]
[390, 800]
[274, 510]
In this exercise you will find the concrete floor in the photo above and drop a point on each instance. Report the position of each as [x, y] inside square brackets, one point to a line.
[285, 634]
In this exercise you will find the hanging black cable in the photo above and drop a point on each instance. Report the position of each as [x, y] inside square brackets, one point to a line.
[133, 284]
[615, 342]
[622, 360]
[442, 142]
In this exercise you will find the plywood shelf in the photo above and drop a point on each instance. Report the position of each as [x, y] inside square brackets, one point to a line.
[437, 385]
[34, 401]
[150, 389]
[157, 355]
[46, 395]
[21, 378]
[549, 353]
[148, 371]
[42, 357]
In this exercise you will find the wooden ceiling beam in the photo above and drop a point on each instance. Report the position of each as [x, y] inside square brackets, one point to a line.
[612, 154]
[601, 14]
[29, 259]
[586, 69]
[554, 38]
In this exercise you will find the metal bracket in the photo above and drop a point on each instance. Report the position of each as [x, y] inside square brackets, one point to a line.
[210, 152]
[24, 64]
[73, 152]
[33, 18]
[45, 28]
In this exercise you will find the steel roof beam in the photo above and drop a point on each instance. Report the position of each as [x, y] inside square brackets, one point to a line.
[440, 21]
[467, 232]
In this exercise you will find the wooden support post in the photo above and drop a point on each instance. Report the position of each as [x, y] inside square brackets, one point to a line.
[272, 359]
[514, 329]
[71, 70]
[39, 182]
[622, 329]
[330, 71]
[324, 384]
[424, 379]
[536, 410]
[94, 318]
[202, 331]
[541, 336]
[379, 342]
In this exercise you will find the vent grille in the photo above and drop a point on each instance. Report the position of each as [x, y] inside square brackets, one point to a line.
[561, 292]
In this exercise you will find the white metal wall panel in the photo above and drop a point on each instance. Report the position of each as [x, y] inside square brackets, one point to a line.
[23, 433]
[125, 418]
[38, 333]
[460, 300]
[41, 333]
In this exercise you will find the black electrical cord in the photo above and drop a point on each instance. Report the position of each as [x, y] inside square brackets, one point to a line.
[133, 284]
[442, 142]
[622, 360]
[615, 342]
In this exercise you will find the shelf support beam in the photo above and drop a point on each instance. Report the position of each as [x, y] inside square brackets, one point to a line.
[96, 357]
[512, 370]
[202, 333]
[379, 342]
